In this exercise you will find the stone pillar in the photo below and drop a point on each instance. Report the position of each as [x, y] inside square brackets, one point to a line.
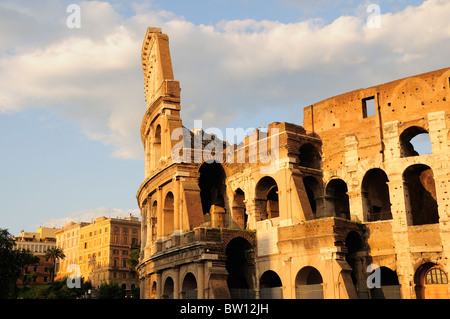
[159, 213]
[438, 132]
[400, 222]
[391, 140]
[200, 281]
[351, 150]
[176, 283]
[159, 286]
[217, 216]
[176, 206]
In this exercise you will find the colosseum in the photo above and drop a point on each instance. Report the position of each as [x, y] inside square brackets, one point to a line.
[343, 207]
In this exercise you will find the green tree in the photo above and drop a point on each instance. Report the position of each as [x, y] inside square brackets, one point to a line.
[110, 290]
[53, 254]
[12, 265]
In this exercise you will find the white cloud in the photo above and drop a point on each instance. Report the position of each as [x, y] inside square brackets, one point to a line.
[240, 70]
[89, 215]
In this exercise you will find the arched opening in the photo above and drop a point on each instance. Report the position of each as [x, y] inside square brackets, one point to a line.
[153, 220]
[212, 186]
[266, 198]
[315, 197]
[168, 289]
[337, 199]
[375, 196]
[239, 211]
[420, 194]
[270, 286]
[156, 146]
[168, 215]
[415, 141]
[310, 156]
[189, 287]
[308, 284]
[431, 282]
[355, 259]
[240, 267]
[390, 287]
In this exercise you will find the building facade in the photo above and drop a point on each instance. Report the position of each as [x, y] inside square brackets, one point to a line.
[99, 250]
[341, 207]
[37, 243]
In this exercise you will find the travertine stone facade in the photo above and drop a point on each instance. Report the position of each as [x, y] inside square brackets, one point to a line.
[297, 212]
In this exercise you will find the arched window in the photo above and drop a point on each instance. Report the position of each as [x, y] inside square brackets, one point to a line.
[420, 194]
[337, 199]
[267, 198]
[168, 215]
[270, 286]
[310, 156]
[239, 212]
[156, 146]
[431, 282]
[415, 141]
[388, 280]
[308, 284]
[375, 195]
[435, 276]
[189, 287]
[240, 269]
[168, 289]
[212, 186]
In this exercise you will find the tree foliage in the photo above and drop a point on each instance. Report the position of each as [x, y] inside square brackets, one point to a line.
[110, 290]
[13, 264]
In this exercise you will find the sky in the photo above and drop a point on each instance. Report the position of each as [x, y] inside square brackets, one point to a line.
[72, 99]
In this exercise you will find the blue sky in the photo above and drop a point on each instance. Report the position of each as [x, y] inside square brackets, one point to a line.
[72, 100]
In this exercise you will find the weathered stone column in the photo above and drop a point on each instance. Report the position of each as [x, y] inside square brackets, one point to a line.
[200, 281]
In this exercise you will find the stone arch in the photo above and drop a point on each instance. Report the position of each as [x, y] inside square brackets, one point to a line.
[239, 211]
[309, 284]
[212, 186]
[266, 198]
[156, 145]
[240, 267]
[168, 214]
[375, 196]
[168, 288]
[431, 282]
[189, 286]
[414, 141]
[420, 194]
[270, 285]
[389, 284]
[337, 199]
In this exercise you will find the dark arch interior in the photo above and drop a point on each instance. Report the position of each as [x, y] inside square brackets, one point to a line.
[212, 186]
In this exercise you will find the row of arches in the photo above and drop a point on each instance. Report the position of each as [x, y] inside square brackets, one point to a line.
[430, 280]
[419, 194]
[325, 201]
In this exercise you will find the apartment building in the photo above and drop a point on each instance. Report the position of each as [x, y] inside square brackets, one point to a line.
[101, 249]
